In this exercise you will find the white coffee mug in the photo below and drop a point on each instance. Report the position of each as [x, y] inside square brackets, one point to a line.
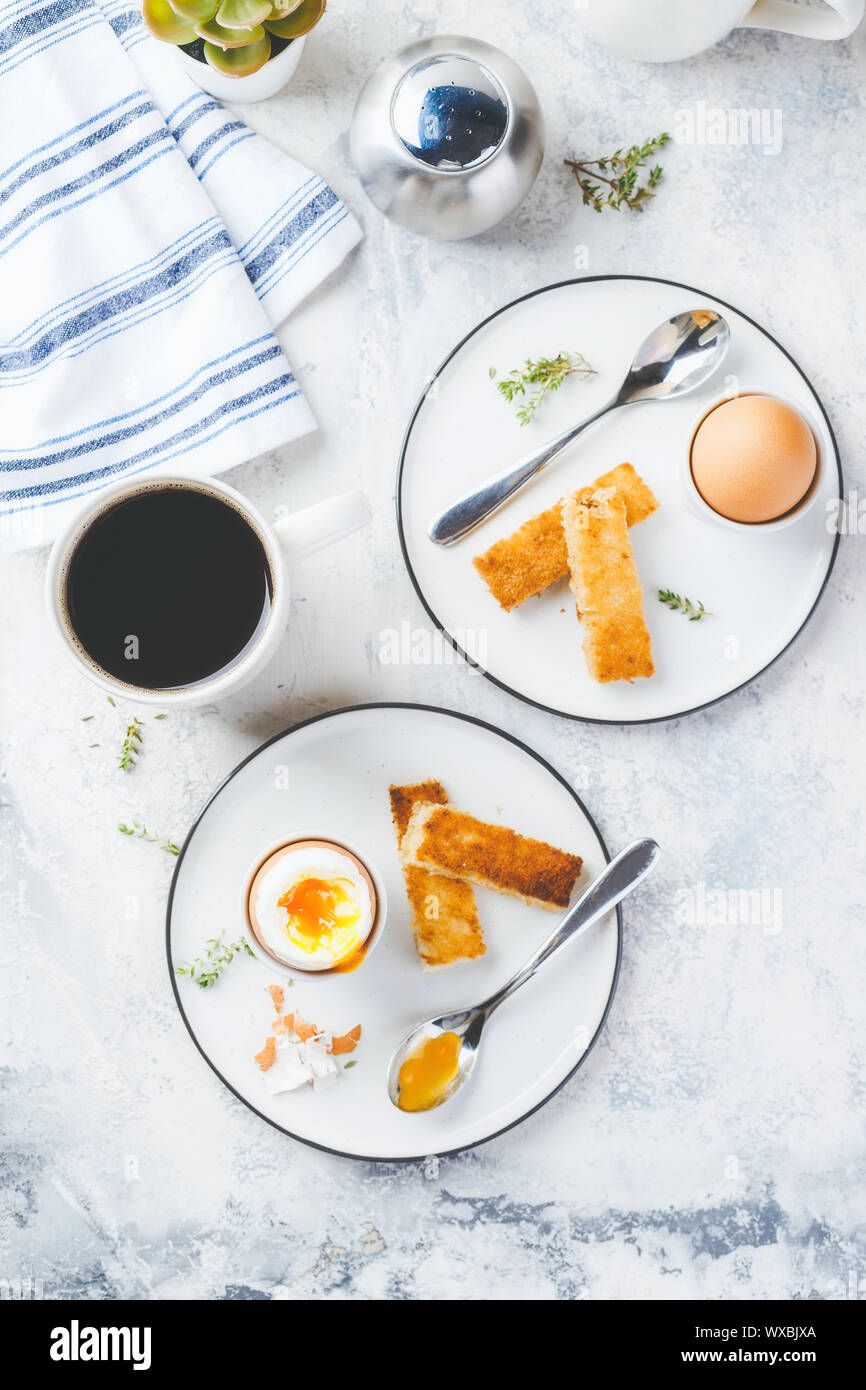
[286, 541]
[661, 31]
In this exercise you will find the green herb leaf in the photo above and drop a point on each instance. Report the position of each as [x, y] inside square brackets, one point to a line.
[141, 832]
[678, 604]
[546, 374]
[206, 969]
[619, 172]
[131, 746]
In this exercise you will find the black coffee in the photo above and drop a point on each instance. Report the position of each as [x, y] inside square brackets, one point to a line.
[168, 588]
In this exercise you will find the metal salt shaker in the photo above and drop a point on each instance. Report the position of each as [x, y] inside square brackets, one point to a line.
[447, 137]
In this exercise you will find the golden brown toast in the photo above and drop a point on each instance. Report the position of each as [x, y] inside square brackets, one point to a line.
[449, 842]
[606, 586]
[444, 916]
[535, 555]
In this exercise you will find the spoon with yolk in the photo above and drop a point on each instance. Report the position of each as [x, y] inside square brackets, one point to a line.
[426, 1075]
[435, 1060]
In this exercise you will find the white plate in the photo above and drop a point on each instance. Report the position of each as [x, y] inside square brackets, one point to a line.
[332, 774]
[760, 587]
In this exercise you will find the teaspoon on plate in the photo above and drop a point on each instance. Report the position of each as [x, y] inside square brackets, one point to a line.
[678, 356]
[460, 1032]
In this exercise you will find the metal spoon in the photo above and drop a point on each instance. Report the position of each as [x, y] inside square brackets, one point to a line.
[676, 357]
[621, 877]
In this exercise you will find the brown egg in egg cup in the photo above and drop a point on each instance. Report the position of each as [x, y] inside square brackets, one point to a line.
[792, 512]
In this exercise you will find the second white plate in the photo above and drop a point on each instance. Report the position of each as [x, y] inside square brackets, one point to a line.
[330, 775]
[761, 588]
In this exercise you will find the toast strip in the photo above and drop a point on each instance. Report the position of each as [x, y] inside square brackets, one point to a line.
[444, 916]
[451, 843]
[535, 555]
[606, 586]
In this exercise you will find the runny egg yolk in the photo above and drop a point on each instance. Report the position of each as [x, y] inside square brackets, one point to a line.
[315, 907]
[426, 1075]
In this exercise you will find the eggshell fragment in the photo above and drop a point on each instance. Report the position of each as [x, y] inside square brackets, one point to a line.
[347, 1042]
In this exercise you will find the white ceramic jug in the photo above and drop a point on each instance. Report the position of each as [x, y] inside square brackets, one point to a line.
[660, 31]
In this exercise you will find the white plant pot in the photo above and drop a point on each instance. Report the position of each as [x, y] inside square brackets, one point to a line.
[257, 87]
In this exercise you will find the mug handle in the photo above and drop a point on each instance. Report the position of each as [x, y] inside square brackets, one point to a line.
[303, 533]
[836, 20]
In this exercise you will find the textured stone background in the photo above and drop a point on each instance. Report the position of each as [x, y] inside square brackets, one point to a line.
[713, 1144]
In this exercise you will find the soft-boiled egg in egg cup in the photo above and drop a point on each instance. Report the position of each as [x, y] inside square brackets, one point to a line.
[753, 462]
[313, 905]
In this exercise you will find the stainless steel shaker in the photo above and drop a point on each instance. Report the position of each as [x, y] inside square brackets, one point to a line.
[447, 136]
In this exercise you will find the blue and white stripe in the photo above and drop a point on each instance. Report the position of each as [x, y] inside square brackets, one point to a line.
[205, 131]
[111, 308]
[34, 29]
[149, 243]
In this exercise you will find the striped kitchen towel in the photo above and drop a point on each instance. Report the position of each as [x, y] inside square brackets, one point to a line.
[149, 244]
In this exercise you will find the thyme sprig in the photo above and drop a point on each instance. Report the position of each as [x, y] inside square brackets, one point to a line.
[620, 173]
[131, 746]
[546, 374]
[206, 969]
[141, 832]
[693, 611]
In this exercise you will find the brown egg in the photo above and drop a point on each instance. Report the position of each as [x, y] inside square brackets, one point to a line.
[753, 458]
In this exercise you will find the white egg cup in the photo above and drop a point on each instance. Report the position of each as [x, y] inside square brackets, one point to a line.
[380, 913]
[702, 508]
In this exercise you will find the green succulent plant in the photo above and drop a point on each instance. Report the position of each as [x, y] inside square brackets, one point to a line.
[236, 33]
